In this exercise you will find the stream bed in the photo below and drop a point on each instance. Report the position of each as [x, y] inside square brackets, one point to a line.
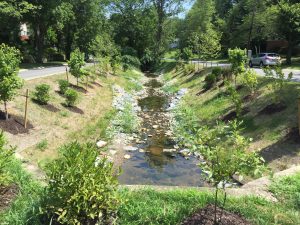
[154, 156]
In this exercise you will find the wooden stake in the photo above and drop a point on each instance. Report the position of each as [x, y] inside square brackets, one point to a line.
[26, 108]
[299, 114]
[86, 85]
[67, 73]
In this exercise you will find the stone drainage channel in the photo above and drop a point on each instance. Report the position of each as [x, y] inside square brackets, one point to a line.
[153, 158]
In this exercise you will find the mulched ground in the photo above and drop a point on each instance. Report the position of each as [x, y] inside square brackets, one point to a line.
[7, 195]
[78, 88]
[97, 84]
[74, 109]
[251, 97]
[273, 108]
[14, 124]
[232, 115]
[50, 108]
[206, 217]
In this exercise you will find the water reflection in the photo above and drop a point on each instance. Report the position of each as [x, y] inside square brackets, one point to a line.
[155, 166]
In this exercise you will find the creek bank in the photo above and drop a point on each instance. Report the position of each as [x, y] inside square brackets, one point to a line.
[154, 157]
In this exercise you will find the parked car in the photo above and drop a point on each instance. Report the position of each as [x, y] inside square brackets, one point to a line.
[265, 59]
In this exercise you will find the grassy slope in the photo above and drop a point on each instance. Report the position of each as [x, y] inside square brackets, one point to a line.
[267, 131]
[57, 128]
[171, 207]
[88, 128]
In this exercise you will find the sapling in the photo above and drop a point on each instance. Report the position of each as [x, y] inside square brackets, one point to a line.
[278, 81]
[225, 152]
[250, 80]
[76, 63]
[237, 58]
[10, 82]
[235, 98]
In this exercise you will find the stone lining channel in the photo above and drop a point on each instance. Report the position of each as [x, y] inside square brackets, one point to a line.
[152, 156]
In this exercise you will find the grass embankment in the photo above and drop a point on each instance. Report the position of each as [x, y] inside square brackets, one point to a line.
[171, 207]
[53, 128]
[274, 134]
[55, 124]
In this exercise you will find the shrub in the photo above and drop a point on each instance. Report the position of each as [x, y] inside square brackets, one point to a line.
[210, 81]
[63, 86]
[71, 97]
[227, 73]
[5, 158]
[82, 187]
[217, 71]
[237, 58]
[42, 93]
[278, 81]
[189, 68]
[250, 80]
[186, 54]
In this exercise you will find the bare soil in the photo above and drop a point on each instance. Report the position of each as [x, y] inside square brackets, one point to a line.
[7, 195]
[273, 108]
[14, 124]
[205, 216]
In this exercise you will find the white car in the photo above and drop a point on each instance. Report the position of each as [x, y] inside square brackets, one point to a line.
[265, 59]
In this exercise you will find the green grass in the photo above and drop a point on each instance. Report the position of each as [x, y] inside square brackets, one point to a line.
[171, 207]
[42, 145]
[212, 105]
[287, 190]
[22, 209]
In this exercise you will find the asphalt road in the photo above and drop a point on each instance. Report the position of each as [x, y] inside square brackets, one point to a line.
[43, 72]
[49, 71]
[259, 71]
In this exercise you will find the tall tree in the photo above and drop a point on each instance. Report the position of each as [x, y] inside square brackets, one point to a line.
[164, 9]
[289, 12]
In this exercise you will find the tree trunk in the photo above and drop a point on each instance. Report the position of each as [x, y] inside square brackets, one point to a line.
[68, 46]
[6, 111]
[39, 42]
[289, 54]
[216, 202]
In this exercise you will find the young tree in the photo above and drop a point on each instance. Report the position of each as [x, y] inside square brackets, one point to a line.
[278, 81]
[237, 58]
[250, 80]
[76, 63]
[226, 155]
[9, 78]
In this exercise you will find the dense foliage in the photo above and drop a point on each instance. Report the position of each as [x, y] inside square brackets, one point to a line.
[71, 97]
[6, 156]
[82, 187]
[10, 82]
[42, 94]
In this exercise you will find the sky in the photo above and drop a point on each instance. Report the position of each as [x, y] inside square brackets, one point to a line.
[186, 5]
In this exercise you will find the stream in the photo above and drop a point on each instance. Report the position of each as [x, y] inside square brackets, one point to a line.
[155, 159]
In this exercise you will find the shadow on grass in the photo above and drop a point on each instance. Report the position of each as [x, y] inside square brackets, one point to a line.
[73, 109]
[288, 148]
[49, 107]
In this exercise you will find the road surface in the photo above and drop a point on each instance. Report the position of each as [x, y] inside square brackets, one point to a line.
[43, 72]
[259, 71]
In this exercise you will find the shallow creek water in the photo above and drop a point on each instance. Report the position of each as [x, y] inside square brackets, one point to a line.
[150, 165]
